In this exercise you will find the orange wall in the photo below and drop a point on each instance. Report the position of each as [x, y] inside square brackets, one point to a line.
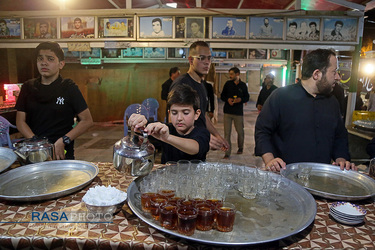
[110, 90]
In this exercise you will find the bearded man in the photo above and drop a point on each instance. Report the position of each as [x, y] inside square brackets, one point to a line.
[302, 122]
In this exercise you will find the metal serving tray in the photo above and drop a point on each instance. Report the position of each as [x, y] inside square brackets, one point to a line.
[46, 180]
[7, 158]
[329, 181]
[257, 221]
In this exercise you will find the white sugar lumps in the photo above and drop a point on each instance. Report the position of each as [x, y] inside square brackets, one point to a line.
[104, 196]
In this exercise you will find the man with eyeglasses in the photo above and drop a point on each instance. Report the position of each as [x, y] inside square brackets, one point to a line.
[200, 61]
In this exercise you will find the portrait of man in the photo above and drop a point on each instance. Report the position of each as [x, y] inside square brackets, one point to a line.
[155, 27]
[4, 30]
[133, 52]
[195, 27]
[40, 28]
[180, 27]
[292, 31]
[229, 27]
[10, 28]
[43, 30]
[266, 28]
[344, 30]
[229, 30]
[314, 32]
[77, 27]
[113, 27]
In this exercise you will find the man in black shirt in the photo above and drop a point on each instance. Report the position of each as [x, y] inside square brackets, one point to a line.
[173, 74]
[234, 94]
[200, 61]
[302, 122]
[267, 88]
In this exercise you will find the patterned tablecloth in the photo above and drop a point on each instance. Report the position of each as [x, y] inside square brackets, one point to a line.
[127, 231]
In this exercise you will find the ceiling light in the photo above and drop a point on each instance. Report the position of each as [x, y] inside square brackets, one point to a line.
[172, 5]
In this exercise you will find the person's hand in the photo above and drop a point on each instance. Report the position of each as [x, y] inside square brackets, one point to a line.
[344, 164]
[275, 165]
[59, 149]
[210, 114]
[158, 130]
[218, 143]
[230, 101]
[259, 107]
[137, 121]
[237, 100]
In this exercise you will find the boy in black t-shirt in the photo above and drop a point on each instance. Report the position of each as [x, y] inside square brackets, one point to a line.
[180, 140]
[47, 105]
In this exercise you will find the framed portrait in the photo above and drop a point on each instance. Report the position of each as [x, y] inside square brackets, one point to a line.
[229, 27]
[180, 27]
[195, 27]
[154, 53]
[94, 53]
[237, 53]
[10, 28]
[303, 29]
[78, 27]
[111, 53]
[41, 28]
[71, 56]
[155, 27]
[340, 29]
[257, 53]
[132, 52]
[178, 52]
[219, 54]
[266, 28]
[116, 27]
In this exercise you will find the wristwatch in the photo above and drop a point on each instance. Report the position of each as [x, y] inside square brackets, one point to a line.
[66, 140]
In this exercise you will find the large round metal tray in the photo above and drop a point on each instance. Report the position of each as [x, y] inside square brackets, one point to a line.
[46, 180]
[329, 181]
[257, 221]
[7, 158]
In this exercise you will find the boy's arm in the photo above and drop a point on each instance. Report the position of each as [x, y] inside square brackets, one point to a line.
[161, 132]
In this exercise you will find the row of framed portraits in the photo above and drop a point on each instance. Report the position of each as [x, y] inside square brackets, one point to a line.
[172, 53]
[343, 29]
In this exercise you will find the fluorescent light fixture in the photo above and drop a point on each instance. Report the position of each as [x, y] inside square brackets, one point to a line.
[172, 5]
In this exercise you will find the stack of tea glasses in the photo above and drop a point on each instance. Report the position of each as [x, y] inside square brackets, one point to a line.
[347, 213]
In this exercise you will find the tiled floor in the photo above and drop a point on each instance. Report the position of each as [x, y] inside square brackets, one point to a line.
[97, 143]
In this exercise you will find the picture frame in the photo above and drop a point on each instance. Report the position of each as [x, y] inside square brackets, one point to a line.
[111, 53]
[155, 27]
[94, 53]
[116, 27]
[270, 28]
[180, 26]
[278, 54]
[10, 28]
[340, 29]
[77, 27]
[195, 27]
[132, 52]
[219, 54]
[158, 53]
[71, 56]
[307, 29]
[40, 28]
[178, 52]
[229, 27]
[257, 53]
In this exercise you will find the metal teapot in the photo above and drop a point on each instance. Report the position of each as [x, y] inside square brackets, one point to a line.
[134, 154]
[34, 150]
